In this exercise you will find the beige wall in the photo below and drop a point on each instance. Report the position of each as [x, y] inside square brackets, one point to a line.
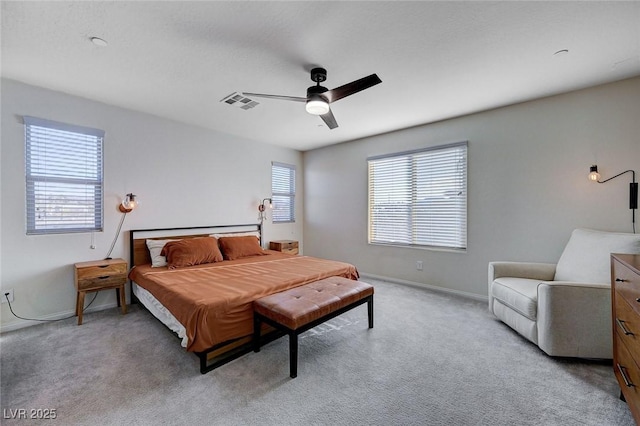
[527, 185]
[183, 175]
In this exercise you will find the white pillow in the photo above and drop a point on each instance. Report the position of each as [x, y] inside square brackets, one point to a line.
[155, 247]
[238, 234]
[587, 256]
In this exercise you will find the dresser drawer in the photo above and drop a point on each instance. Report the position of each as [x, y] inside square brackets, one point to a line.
[626, 323]
[627, 284]
[625, 364]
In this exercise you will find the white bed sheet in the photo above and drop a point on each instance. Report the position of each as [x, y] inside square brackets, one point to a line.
[160, 312]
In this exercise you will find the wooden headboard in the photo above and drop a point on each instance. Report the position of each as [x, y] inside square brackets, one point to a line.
[139, 254]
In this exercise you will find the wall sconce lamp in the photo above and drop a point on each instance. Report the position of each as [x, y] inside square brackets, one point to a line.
[126, 206]
[594, 176]
[262, 208]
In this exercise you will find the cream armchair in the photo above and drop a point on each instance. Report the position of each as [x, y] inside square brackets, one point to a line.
[564, 308]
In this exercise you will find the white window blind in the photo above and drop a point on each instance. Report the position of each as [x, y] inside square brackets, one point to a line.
[419, 198]
[283, 192]
[64, 177]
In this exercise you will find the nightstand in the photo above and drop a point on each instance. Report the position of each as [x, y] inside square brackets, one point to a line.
[100, 275]
[285, 246]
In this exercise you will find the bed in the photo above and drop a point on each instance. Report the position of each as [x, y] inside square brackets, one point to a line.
[205, 296]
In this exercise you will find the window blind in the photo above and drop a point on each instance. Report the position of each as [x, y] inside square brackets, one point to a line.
[64, 177]
[283, 192]
[419, 198]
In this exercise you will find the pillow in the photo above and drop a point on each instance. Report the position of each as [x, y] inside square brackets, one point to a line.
[586, 258]
[237, 247]
[192, 251]
[155, 247]
[237, 234]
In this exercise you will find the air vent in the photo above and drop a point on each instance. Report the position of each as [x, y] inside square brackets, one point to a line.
[237, 100]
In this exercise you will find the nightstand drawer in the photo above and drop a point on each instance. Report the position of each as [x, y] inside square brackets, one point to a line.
[101, 270]
[284, 246]
[102, 281]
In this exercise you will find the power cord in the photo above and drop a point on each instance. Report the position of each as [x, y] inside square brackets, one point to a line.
[6, 296]
[113, 244]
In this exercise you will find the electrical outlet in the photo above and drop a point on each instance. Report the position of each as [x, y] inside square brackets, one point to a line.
[419, 265]
[7, 294]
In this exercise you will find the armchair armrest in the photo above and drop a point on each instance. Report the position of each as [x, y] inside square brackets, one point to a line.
[531, 270]
[574, 319]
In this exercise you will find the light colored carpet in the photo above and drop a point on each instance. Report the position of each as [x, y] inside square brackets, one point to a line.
[432, 359]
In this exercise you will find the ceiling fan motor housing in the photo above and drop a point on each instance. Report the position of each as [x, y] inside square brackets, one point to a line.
[316, 90]
[318, 75]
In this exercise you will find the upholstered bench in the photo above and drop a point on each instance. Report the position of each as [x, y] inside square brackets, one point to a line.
[299, 309]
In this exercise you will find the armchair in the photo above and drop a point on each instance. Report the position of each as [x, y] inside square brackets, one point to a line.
[564, 308]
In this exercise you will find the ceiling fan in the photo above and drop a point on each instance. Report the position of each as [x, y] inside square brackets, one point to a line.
[319, 97]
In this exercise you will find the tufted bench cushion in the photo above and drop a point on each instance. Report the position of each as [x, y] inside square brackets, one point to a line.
[301, 308]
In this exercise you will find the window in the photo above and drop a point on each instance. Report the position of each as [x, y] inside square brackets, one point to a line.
[419, 198]
[63, 177]
[283, 192]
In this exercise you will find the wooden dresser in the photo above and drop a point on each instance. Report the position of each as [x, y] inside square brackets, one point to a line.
[625, 299]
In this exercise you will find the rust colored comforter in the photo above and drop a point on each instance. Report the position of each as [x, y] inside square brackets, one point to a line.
[214, 301]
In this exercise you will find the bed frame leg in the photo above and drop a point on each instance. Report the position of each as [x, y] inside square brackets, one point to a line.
[256, 332]
[203, 363]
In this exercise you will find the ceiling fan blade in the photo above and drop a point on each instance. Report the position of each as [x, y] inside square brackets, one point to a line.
[282, 98]
[329, 120]
[351, 88]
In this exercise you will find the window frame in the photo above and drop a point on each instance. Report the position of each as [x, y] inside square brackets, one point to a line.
[47, 136]
[283, 199]
[406, 199]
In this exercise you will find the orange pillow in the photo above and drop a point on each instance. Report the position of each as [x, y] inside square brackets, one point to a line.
[191, 251]
[238, 247]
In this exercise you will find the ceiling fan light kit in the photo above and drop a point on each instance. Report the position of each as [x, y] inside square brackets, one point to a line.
[317, 105]
[319, 97]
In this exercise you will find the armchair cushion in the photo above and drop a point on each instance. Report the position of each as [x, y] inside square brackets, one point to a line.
[519, 294]
[586, 256]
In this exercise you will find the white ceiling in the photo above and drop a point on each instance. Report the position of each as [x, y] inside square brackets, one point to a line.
[437, 60]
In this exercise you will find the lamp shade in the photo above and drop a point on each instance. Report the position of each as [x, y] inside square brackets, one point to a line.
[128, 204]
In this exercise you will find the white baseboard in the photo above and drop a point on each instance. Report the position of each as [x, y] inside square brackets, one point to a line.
[427, 286]
[51, 317]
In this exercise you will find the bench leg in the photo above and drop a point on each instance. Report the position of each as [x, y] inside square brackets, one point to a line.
[293, 354]
[370, 311]
[256, 333]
